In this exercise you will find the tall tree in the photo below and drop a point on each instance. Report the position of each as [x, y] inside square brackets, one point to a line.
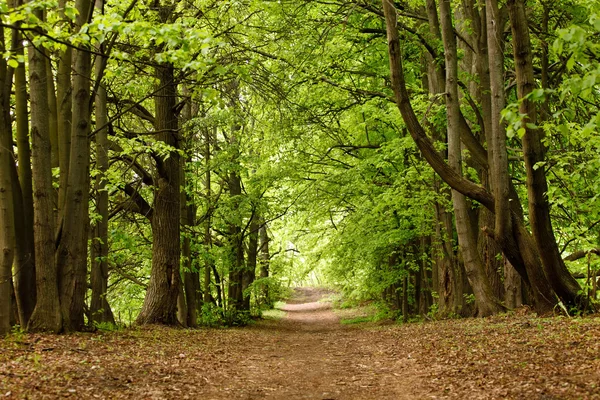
[160, 303]
[47, 314]
[23, 194]
[486, 301]
[7, 223]
[71, 252]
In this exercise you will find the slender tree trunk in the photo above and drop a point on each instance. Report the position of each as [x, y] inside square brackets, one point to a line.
[46, 315]
[405, 311]
[7, 223]
[191, 275]
[182, 307]
[236, 272]
[24, 280]
[496, 133]
[71, 252]
[99, 308]
[207, 226]
[191, 278]
[64, 114]
[52, 113]
[234, 184]
[250, 271]
[264, 259]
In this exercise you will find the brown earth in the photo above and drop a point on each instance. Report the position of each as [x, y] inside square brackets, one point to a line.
[310, 355]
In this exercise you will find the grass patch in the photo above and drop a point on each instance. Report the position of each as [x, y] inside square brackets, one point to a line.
[357, 320]
[274, 313]
[365, 313]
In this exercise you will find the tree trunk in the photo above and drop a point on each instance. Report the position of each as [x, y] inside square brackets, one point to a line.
[191, 277]
[46, 315]
[160, 303]
[24, 280]
[7, 222]
[64, 113]
[236, 272]
[207, 226]
[512, 287]
[52, 113]
[521, 250]
[405, 311]
[71, 252]
[234, 184]
[264, 259]
[563, 283]
[99, 308]
[250, 271]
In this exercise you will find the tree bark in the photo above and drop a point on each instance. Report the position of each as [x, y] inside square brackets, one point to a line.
[237, 267]
[7, 222]
[264, 259]
[252, 256]
[191, 277]
[160, 303]
[71, 252]
[64, 113]
[47, 314]
[521, 250]
[563, 283]
[487, 304]
[24, 279]
[207, 224]
[100, 310]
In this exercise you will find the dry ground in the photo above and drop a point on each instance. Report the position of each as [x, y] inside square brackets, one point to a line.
[310, 355]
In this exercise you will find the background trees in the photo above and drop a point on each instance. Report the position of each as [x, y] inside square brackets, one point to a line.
[237, 147]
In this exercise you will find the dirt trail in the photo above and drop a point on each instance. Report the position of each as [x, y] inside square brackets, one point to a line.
[306, 355]
[319, 358]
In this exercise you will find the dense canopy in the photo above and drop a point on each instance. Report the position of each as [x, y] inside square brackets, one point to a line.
[184, 162]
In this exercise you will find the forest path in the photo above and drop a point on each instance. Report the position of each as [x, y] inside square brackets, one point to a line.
[311, 355]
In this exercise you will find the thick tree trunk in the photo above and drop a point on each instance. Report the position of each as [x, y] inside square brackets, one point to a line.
[563, 283]
[512, 287]
[160, 303]
[46, 315]
[448, 282]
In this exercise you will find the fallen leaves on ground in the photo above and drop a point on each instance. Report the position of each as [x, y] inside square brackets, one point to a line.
[310, 355]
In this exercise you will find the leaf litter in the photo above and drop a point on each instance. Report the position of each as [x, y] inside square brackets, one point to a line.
[310, 355]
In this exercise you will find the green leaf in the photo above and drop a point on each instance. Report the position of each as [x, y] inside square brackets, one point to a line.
[13, 63]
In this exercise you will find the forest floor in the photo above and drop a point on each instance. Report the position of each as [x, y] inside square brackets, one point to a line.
[309, 354]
